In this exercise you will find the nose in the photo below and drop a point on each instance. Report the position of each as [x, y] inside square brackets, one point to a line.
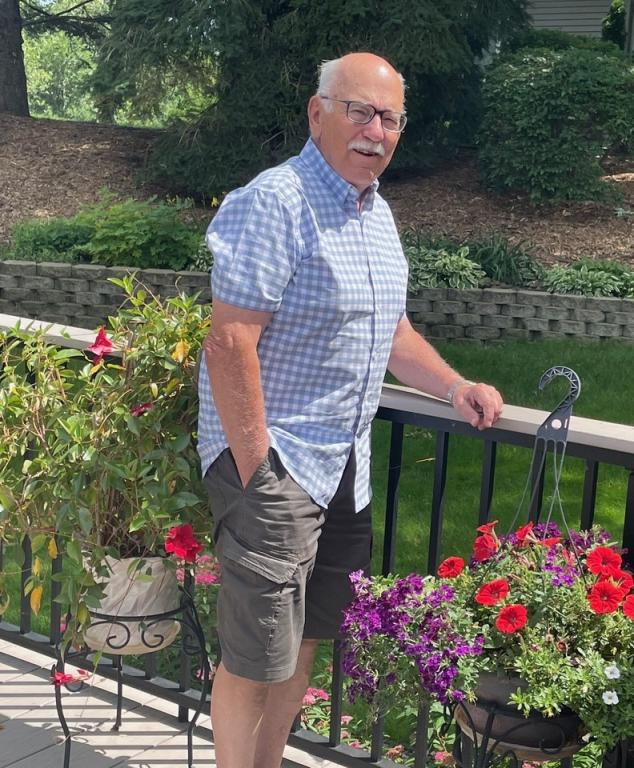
[374, 130]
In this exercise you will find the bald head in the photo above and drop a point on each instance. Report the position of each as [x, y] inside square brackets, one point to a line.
[339, 75]
[358, 149]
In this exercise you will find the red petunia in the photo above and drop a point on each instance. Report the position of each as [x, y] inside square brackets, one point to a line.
[101, 346]
[628, 607]
[605, 597]
[622, 579]
[139, 410]
[511, 618]
[487, 527]
[451, 567]
[492, 592]
[522, 533]
[484, 547]
[603, 560]
[550, 541]
[181, 542]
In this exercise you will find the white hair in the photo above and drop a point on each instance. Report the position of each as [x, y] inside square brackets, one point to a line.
[329, 72]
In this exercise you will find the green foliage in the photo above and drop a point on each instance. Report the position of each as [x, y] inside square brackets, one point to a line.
[97, 458]
[556, 40]
[142, 234]
[505, 262]
[58, 69]
[257, 60]
[431, 267]
[613, 28]
[51, 240]
[591, 278]
[132, 233]
[549, 118]
[498, 259]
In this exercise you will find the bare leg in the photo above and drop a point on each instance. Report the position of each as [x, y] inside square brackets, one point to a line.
[237, 707]
[283, 702]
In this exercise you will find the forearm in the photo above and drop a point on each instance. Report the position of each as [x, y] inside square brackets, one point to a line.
[415, 363]
[234, 374]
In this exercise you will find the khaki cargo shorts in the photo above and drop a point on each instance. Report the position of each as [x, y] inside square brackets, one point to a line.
[285, 563]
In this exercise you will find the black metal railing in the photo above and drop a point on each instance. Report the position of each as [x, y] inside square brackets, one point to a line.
[596, 443]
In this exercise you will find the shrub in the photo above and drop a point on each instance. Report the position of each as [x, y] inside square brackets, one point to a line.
[549, 116]
[144, 235]
[439, 267]
[505, 262]
[556, 40]
[132, 233]
[613, 28]
[585, 280]
[51, 240]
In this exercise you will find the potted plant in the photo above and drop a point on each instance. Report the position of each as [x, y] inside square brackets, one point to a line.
[97, 459]
[531, 643]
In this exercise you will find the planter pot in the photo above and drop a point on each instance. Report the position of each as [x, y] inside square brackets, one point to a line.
[128, 595]
[535, 738]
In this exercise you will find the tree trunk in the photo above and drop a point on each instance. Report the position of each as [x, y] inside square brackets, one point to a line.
[13, 96]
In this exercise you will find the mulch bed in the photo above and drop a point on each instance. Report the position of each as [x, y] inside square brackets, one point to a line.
[52, 168]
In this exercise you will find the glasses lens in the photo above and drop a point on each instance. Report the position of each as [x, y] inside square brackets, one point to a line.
[393, 121]
[359, 112]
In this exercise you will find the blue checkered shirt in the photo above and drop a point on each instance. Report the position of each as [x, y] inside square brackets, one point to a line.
[293, 242]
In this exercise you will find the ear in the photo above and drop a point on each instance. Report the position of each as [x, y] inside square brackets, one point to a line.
[315, 107]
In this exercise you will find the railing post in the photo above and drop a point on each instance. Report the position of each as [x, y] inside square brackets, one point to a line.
[25, 575]
[185, 672]
[56, 608]
[589, 498]
[487, 480]
[628, 521]
[336, 695]
[537, 483]
[438, 498]
[391, 505]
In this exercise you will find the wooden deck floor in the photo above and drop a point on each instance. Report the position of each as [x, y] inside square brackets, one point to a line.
[150, 735]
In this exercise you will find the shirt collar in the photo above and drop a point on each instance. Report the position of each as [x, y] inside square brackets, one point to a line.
[344, 193]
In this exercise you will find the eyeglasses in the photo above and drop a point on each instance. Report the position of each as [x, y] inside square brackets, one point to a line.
[361, 113]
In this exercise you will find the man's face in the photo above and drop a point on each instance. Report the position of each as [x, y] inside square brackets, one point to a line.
[358, 153]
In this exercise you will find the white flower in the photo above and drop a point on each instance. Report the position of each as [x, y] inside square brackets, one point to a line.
[610, 697]
[612, 672]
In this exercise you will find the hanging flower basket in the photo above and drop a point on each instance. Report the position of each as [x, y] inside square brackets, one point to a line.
[534, 737]
[146, 588]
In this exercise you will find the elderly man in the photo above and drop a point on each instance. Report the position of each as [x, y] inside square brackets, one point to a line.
[309, 286]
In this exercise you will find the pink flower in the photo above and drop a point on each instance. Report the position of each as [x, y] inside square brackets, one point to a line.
[356, 744]
[101, 346]
[345, 719]
[181, 542]
[345, 734]
[308, 700]
[318, 693]
[444, 758]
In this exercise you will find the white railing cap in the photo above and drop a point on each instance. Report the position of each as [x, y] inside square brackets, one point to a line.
[63, 335]
[600, 434]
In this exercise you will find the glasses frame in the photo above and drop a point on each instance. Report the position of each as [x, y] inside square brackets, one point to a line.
[375, 111]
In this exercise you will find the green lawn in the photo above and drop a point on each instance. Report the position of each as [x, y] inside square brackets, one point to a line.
[515, 368]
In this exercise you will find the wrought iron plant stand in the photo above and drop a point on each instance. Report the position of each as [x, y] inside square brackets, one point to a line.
[192, 644]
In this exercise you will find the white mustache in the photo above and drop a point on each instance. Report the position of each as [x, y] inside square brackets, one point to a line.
[368, 146]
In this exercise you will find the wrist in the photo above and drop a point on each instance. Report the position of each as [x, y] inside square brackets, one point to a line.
[453, 389]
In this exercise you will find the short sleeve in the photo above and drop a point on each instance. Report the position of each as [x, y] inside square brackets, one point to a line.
[255, 249]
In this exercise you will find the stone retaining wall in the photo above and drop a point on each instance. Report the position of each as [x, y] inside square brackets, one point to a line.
[81, 295]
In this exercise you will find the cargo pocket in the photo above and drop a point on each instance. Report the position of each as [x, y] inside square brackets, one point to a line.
[255, 604]
[272, 568]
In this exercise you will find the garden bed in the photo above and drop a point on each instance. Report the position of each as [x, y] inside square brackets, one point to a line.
[53, 168]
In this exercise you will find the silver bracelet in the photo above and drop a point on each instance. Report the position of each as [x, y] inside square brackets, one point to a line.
[451, 392]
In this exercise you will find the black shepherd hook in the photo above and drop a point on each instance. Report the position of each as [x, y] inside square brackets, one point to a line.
[555, 428]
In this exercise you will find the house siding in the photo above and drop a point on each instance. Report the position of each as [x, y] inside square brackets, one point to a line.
[581, 17]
